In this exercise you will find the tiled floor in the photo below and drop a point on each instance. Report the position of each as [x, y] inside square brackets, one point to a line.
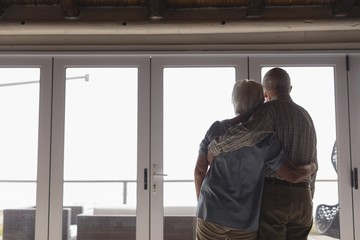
[320, 237]
[310, 238]
[313, 236]
[316, 237]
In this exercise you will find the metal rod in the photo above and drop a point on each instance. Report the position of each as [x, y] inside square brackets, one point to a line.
[86, 77]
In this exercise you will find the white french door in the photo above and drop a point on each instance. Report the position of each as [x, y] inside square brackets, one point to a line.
[188, 94]
[320, 86]
[118, 135]
[100, 146]
[25, 106]
[354, 99]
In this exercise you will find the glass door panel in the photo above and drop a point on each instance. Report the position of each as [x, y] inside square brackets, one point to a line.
[100, 151]
[189, 110]
[188, 95]
[19, 126]
[191, 116]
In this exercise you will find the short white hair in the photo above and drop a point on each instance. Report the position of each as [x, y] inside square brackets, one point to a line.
[247, 95]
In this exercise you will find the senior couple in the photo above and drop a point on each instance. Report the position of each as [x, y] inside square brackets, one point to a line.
[255, 173]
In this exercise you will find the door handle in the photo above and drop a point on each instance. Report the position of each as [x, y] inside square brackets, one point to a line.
[145, 178]
[155, 173]
[155, 169]
[355, 179]
[159, 174]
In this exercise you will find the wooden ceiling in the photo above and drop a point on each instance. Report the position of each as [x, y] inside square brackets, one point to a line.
[172, 9]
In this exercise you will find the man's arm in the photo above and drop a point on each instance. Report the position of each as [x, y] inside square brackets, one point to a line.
[200, 172]
[295, 174]
[243, 134]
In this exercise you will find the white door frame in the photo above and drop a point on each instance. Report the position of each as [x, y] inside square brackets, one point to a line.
[354, 99]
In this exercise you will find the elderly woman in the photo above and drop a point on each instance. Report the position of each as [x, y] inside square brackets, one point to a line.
[229, 188]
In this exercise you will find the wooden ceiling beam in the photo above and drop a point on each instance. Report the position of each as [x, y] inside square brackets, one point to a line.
[342, 8]
[255, 8]
[156, 9]
[1, 8]
[71, 8]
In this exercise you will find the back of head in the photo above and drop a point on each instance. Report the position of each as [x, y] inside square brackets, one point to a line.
[277, 80]
[247, 96]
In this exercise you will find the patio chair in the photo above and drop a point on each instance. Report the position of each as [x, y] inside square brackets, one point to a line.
[327, 220]
[327, 216]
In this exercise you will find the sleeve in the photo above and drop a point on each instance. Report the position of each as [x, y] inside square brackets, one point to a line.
[217, 129]
[243, 134]
[274, 154]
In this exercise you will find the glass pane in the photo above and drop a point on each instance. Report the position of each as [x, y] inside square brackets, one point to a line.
[101, 152]
[19, 106]
[193, 99]
[309, 85]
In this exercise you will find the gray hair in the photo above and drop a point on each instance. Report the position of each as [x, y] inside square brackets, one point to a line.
[277, 80]
[247, 95]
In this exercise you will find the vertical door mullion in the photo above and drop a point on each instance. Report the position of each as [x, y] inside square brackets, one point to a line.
[143, 171]
[156, 156]
[43, 179]
[354, 98]
[57, 151]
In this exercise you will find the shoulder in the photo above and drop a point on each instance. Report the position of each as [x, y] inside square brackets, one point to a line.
[284, 105]
[261, 113]
[221, 124]
[219, 127]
